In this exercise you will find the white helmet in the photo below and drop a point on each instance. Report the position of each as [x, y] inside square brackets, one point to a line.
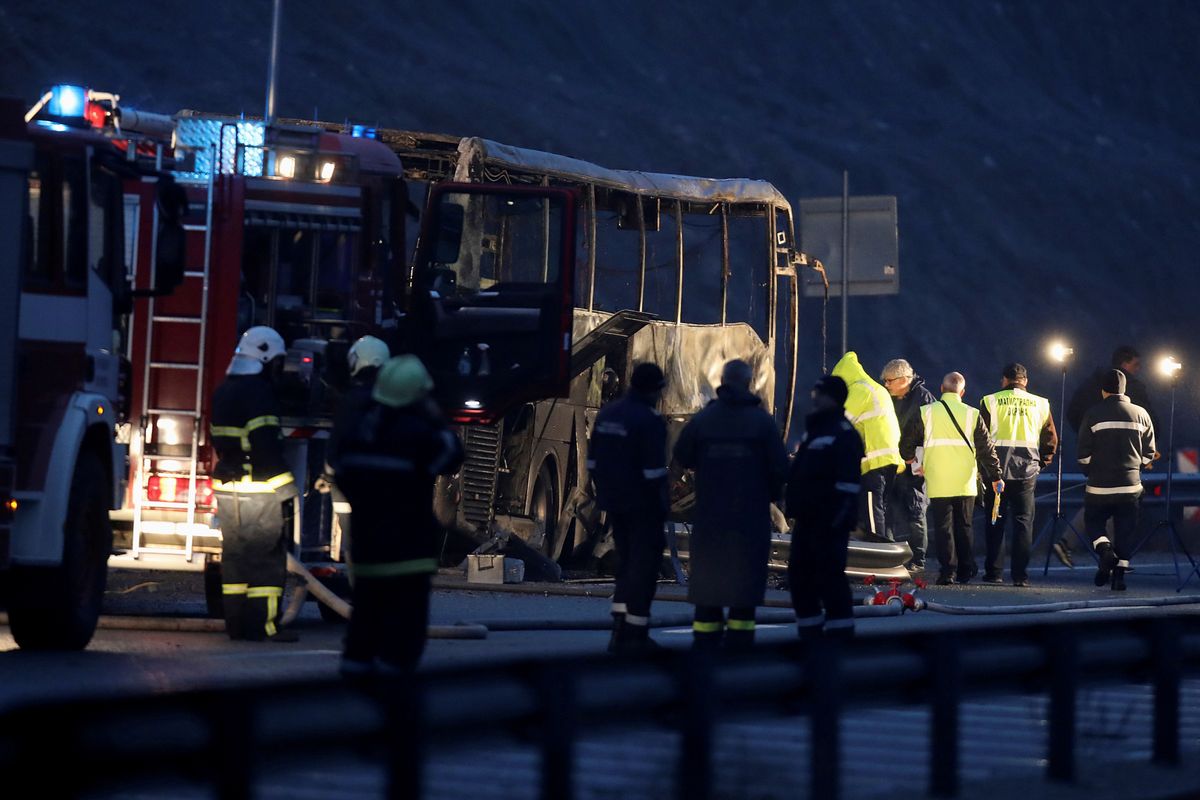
[258, 346]
[367, 352]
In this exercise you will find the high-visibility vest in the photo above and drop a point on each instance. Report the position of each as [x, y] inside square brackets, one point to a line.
[1017, 419]
[870, 410]
[949, 460]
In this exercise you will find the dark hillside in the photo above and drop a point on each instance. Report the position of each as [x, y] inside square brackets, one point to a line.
[1045, 154]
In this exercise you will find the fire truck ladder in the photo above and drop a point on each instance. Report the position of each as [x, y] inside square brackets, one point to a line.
[149, 456]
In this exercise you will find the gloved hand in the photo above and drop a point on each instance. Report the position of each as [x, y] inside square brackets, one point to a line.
[323, 483]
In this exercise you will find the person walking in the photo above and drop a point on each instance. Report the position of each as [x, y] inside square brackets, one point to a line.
[1022, 429]
[251, 483]
[738, 455]
[951, 464]
[391, 451]
[822, 491]
[1116, 442]
[872, 413]
[907, 502]
[627, 459]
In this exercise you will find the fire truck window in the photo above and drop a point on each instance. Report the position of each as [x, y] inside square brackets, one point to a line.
[335, 275]
[75, 221]
[702, 245]
[618, 255]
[293, 282]
[255, 297]
[749, 267]
[37, 230]
[662, 263]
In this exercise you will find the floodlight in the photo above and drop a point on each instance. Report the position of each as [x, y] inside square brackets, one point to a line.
[1169, 366]
[326, 171]
[285, 167]
[1059, 352]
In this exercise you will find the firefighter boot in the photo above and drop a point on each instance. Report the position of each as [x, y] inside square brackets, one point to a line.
[614, 641]
[1118, 578]
[1108, 560]
[634, 639]
[739, 635]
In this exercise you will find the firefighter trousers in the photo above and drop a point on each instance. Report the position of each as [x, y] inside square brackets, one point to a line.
[709, 626]
[820, 590]
[873, 490]
[639, 539]
[253, 562]
[388, 625]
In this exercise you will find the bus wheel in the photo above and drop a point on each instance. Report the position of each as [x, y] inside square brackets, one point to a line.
[214, 598]
[544, 506]
[57, 608]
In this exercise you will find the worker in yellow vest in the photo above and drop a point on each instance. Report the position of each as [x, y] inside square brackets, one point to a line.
[870, 410]
[1026, 441]
[951, 461]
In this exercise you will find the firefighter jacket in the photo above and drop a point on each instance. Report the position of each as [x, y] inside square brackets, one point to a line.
[951, 462]
[870, 410]
[627, 456]
[1022, 430]
[740, 462]
[822, 486]
[246, 436]
[1116, 440]
[386, 464]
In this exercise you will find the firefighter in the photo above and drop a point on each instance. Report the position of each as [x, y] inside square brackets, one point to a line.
[952, 462]
[822, 492]
[871, 412]
[1026, 441]
[627, 459]
[907, 503]
[364, 360]
[391, 449]
[1116, 441]
[740, 462]
[252, 483]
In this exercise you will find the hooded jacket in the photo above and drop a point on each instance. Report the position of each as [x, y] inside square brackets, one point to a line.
[870, 410]
[1116, 441]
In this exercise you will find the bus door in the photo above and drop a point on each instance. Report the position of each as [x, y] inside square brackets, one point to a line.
[492, 302]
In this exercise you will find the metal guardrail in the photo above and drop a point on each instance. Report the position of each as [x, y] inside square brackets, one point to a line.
[219, 737]
[1185, 488]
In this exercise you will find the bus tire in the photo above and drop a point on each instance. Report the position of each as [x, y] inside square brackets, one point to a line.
[544, 507]
[56, 608]
[214, 598]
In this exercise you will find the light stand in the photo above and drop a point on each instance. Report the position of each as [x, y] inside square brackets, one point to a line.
[1061, 353]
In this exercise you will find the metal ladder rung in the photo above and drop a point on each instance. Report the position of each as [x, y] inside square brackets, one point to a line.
[173, 365]
[160, 457]
[191, 320]
[174, 412]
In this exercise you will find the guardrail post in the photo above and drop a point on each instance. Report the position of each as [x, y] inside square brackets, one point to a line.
[698, 718]
[557, 696]
[824, 682]
[1168, 671]
[1062, 660]
[945, 690]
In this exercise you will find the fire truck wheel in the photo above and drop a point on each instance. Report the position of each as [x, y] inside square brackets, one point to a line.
[214, 600]
[57, 608]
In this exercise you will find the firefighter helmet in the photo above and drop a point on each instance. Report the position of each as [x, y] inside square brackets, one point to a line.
[402, 381]
[258, 346]
[367, 352]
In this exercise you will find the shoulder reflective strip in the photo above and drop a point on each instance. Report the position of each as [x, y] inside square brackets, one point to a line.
[945, 443]
[234, 588]
[373, 461]
[705, 627]
[808, 622]
[265, 591]
[264, 421]
[652, 474]
[1122, 563]
[740, 624]
[1099, 541]
[1016, 443]
[340, 507]
[1114, 489]
[834, 624]
[819, 442]
[634, 619]
[1086, 460]
[846, 486]
[619, 608]
[394, 569]
[449, 440]
[887, 451]
[927, 423]
[1119, 426]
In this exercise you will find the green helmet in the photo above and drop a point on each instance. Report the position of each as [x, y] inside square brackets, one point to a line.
[403, 380]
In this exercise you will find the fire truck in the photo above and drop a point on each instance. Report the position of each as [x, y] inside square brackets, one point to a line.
[63, 390]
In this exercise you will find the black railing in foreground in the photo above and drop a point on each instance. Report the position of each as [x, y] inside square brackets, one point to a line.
[221, 737]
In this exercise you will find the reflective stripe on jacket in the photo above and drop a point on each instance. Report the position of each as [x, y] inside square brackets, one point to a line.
[870, 410]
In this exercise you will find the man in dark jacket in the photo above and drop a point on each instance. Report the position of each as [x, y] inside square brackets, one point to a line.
[907, 502]
[1116, 442]
[740, 461]
[390, 452]
[251, 482]
[821, 498]
[627, 459]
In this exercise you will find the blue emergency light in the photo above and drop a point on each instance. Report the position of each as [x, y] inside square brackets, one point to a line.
[362, 132]
[67, 101]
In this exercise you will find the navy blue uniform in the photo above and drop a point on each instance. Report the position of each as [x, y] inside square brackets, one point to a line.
[822, 496]
[627, 458]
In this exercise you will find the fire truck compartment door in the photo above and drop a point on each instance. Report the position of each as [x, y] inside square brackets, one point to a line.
[493, 290]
